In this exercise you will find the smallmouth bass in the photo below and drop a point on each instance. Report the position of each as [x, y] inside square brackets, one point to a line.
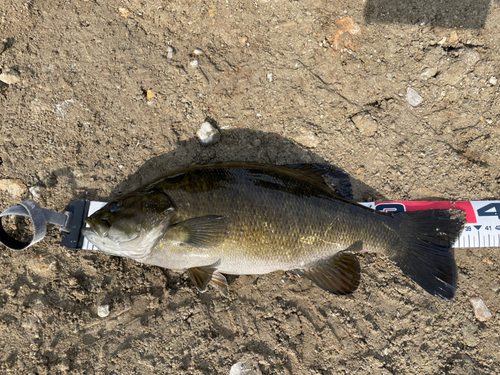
[249, 218]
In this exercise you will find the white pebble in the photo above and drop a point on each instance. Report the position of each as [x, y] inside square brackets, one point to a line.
[10, 77]
[480, 309]
[493, 81]
[198, 51]
[193, 64]
[413, 97]
[36, 191]
[208, 134]
[103, 311]
[170, 52]
[244, 368]
[270, 77]
[428, 73]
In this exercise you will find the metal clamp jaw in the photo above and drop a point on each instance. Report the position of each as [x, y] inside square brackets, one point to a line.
[70, 221]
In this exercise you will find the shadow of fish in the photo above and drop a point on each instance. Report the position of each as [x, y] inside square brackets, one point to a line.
[248, 218]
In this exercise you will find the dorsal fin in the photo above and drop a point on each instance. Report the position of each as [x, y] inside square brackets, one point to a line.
[327, 176]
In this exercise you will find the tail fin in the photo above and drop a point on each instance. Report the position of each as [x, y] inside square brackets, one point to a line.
[424, 251]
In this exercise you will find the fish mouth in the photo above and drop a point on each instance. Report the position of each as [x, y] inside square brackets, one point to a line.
[97, 227]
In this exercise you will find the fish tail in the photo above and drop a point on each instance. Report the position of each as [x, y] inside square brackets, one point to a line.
[423, 250]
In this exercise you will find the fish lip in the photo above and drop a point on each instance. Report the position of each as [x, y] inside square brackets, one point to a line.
[92, 226]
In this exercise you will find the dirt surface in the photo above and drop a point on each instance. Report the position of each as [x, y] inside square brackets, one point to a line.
[103, 96]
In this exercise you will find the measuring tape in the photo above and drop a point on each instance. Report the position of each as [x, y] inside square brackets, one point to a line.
[482, 229]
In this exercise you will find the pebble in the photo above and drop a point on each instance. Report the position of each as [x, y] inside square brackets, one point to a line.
[428, 73]
[194, 63]
[103, 311]
[493, 81]
[208, 134]
[247, 367]
[10, 76]
[480, 309]
[308, 139]
[198, 51]
[14, 187]
[36, 191]
[365, 124]
[170, 52]
[243, 40]
[413, 97]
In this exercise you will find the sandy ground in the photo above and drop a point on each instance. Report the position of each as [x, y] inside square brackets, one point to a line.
[104, 96]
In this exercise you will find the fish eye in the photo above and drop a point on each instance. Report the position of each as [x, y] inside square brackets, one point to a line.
[113, 207]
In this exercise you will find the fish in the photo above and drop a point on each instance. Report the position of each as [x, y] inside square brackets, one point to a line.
[243, 218]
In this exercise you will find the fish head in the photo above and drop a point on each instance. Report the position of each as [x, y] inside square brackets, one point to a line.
[131, 226]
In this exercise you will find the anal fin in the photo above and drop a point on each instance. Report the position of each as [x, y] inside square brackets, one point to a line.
[339, 274]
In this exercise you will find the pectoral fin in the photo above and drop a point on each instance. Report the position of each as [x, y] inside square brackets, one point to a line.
[200, 232]
[339, 274]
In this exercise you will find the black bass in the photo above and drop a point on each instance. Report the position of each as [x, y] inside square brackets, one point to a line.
[247, 218]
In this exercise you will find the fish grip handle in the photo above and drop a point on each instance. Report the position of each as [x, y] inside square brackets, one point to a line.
[39, 217]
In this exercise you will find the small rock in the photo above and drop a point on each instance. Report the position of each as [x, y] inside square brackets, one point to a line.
[308, 139]
[10, 76]
[194, 64]
[170, 52]
[493, 81]
[365, 124]
[198, 51]
[471, 58]
[208, 134]
[150, 94]
[428, 73]
[413, 97]
[480, 309]
[103, 311]
[269, 77]
[36, 191]
[124, 12]
[247, 367]
[243, 40]
[453, 36]
[15, 187]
